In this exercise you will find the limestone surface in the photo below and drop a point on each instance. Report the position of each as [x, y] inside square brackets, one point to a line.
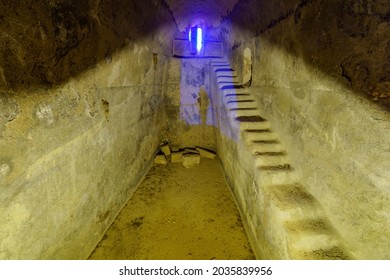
[160, 159]
[176, 157]
[191, 151]
[175, 149]
[166, 149]
[206, 153]
[190, 160]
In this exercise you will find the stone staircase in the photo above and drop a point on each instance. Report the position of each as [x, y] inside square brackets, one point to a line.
[293, 221]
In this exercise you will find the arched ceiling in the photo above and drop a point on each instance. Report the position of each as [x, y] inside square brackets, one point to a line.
[206, 12]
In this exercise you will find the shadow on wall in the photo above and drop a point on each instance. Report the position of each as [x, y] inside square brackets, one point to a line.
[348, 40]
[45, 43]
[195, 107]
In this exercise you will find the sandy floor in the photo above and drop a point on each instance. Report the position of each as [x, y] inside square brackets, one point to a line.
[178, 213]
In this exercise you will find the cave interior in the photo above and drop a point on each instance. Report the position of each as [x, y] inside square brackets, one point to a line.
[292, 95]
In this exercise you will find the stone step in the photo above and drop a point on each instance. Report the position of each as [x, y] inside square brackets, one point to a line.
[247, 116]
[222, 64]
[225, 85]
[226, 79]
[228, 83]
[238, 98]
[280, 153]
[295, 223]
[250, 119]
[291, 202]
[242, 124]
[221, 74]
[218, 69]
[275, 168]
[265, 147]
[256, 135]
[333, 253]
[243, 115]
[243, 108]
[265, 161]
[310, 235]
[236, 91]
[219, 61]
[267, 130]
[240, 104]
[270, 177]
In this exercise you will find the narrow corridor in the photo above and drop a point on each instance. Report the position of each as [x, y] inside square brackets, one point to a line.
[178, 213]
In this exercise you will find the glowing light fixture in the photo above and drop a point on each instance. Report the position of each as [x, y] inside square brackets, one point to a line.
[199, 39]
[195, 36]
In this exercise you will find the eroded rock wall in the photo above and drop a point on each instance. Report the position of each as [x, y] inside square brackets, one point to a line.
[81, 115]
[47, 42]
[320, 76]
[347, 40]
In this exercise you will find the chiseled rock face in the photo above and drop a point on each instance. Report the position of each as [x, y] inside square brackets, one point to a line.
[207, 12]
[75, 140]
[62, 39]
[352, 46]
[324, 87]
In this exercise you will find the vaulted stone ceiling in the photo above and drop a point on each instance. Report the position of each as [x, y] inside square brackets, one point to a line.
[206, 12]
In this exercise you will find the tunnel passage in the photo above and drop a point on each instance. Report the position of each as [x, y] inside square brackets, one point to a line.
[89, 90]
[178, 213]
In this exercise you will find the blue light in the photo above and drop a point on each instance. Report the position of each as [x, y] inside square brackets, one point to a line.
[199, 39]
[189, 35]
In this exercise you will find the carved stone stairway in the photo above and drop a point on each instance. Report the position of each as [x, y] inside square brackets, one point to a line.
[292, 222]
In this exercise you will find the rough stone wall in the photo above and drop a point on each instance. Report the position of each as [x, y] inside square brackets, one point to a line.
[240, 174]
[320, 76]
[346, 40]
[43, 43]
[205, 12]
[81, 115]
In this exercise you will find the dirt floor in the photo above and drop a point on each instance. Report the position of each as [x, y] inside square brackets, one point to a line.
[178, 213]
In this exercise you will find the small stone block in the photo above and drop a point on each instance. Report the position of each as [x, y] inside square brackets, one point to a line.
[191, 151]
[160, 159]
[165, 149]
[206, 153]
[176, 157]
[190, 160]
[175, 149]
